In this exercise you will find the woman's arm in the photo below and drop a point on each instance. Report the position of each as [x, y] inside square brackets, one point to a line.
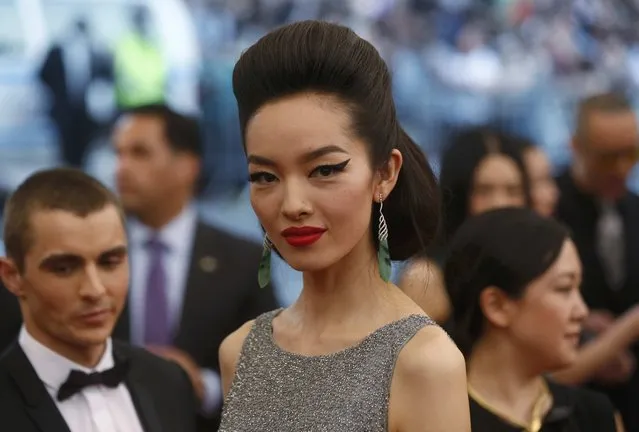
[606, 347]
[423, 282]
[429, 390]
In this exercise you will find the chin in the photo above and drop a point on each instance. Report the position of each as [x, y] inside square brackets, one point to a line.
[309, 263]
[563, 360]
[92, 336]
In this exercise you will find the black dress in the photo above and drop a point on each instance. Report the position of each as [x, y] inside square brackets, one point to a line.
[573, 410]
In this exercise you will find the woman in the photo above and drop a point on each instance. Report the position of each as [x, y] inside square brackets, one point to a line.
[513, 278]
[481, 169]
[340, 190]
[543, 188]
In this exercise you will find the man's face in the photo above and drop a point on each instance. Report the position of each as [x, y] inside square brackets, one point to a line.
[607, 152]
[75, 278]
[148, 170]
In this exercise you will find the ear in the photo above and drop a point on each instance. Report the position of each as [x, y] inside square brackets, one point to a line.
[498, 309]
[188, 167]
[388, 175]
[11, 276]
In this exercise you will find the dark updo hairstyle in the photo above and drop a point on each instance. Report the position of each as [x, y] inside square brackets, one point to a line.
[506, 248]
[466, 151]
[331, 60]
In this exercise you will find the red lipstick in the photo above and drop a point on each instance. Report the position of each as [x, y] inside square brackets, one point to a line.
[302, 236]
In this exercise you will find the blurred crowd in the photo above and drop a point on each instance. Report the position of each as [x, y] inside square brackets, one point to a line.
[496, 92]
[521, 65]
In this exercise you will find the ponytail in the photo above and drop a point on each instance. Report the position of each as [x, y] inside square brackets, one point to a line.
[412, 209]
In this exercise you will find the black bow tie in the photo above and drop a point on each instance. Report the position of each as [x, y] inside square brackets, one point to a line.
[78, 380]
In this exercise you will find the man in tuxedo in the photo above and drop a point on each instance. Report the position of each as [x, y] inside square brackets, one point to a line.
[603, 216]
[192, 284]
[67, 265]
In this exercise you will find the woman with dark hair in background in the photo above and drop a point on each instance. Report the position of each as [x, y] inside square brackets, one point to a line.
[341, 190]
[481, 169]
[544, 192]
[513, 278]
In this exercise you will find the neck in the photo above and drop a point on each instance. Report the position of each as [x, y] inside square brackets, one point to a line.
[504, 377]
[344, 293]
[161, 215]
[88, 356]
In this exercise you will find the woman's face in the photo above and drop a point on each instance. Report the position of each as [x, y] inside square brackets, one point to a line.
[497, 183]
[547, 320]
[312, 186]
[543, 188]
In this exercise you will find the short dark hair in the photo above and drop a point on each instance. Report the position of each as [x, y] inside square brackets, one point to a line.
[608, 103]
[330, 59]
[467, 149]
[506, 248]
[65, 189]
[182, 132]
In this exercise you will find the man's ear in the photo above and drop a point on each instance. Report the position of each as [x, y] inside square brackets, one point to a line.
[11, 276]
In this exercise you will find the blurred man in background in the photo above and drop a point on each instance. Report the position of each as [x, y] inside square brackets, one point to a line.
[192, 284]
[604, 218]
[68, 70]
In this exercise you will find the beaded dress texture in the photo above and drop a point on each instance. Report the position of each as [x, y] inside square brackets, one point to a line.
[347, 391]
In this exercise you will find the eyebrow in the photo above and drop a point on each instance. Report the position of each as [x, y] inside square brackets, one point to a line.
[307, 157]
[117, 250]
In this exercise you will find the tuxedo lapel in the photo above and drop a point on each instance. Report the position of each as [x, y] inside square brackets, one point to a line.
[141, 395]
[37, 401]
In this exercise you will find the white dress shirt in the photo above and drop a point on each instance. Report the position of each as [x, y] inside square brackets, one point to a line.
[178, 236]
[95, 408]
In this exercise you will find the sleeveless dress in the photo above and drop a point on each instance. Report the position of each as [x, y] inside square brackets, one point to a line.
[348, 391]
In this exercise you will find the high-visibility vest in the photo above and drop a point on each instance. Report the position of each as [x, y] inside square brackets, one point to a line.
[140, 72]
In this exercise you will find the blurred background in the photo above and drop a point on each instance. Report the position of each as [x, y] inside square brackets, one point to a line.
[68, 66]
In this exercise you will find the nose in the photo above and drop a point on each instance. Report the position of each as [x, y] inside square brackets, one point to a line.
[295, 205]
[92, 287]
[581, 309]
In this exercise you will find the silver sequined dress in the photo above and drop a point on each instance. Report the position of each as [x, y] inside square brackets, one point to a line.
[348, 391]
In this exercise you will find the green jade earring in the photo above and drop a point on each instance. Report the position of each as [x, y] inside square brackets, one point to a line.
[264, 270]
[383, 253]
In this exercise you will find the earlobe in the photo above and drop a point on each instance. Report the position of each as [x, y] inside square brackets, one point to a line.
[11, 277]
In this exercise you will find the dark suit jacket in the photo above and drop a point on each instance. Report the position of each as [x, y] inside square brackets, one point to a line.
[161, 392]
[221, 294]
[579, 211]
[53, 75]
[10, 318]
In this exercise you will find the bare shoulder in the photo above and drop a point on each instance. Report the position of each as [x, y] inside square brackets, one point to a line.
[229, 353]
[422, 267]
[423, 282]
[429, 391]
[429, 354]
